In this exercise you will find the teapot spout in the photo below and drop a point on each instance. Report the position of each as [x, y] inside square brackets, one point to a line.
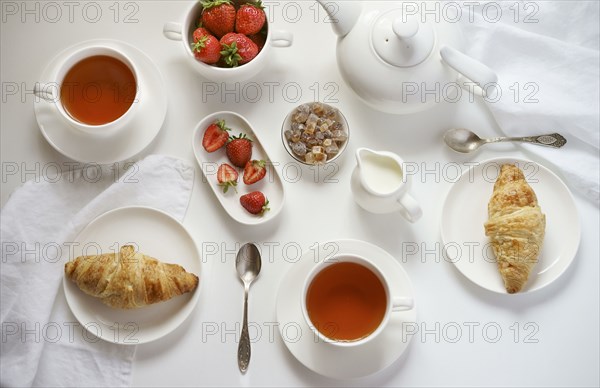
[342, 15]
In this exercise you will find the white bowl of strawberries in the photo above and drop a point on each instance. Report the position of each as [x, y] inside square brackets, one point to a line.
[227, 40]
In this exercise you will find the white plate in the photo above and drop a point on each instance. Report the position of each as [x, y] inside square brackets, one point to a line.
[140, 131]
[465, 211]
[154, 233]
[328, 360]
[271, 185]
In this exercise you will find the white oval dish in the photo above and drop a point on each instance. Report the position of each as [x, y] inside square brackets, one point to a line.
[271, 185]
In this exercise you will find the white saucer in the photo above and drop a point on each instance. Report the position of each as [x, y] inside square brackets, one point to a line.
[141, 130]
[324, 358]
[156, 234]
[465, 211]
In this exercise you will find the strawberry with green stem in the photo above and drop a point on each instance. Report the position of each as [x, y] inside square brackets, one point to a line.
[215, 136]
[250, 18]
[218, 16]
[237, 49]
[206, 47]
[254, 171]
[227, 177]
[239, 150]
[255, 203]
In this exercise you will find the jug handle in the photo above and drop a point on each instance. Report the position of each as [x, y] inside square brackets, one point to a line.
[409, 208]
[475, 71]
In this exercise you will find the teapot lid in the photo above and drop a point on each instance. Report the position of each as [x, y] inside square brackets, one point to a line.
[402, 40]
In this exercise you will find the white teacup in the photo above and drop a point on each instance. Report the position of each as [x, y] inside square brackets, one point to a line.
[183, 32]
[379, 184]
[356, 285]
[50, 90]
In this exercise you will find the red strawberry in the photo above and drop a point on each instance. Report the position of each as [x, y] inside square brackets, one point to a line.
[255, 202]
[215, 136]
[218, 16]
[237, 49]
[206, 47]
[259, 40]
[227, 177]
[254, 171]
[250, 19]
[199, 33]
[239, 150]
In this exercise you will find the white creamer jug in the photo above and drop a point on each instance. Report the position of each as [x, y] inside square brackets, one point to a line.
[379, 185]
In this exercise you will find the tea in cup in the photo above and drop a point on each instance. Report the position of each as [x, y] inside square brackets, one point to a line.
[346, 301]
[95, 89]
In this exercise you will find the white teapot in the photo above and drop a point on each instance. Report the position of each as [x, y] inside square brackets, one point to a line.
[399, 61]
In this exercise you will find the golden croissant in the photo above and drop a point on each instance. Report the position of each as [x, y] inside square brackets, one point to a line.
[129, 279]
[515, 226]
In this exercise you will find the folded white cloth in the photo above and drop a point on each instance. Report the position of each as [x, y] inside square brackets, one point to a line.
[42, 343]
[547, 60]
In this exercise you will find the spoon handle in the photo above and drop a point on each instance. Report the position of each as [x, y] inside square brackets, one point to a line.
[244, 345]
[551, 140]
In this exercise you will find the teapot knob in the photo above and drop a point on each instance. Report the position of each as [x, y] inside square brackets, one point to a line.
[405, 29]
[402, 40]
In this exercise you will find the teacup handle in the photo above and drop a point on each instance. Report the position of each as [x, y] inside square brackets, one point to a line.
[173, 31]
[409, 208]
[402, 304]
[281, 38]
[45, 91]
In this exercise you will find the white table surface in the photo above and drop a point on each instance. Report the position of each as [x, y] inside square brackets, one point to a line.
[564, 315]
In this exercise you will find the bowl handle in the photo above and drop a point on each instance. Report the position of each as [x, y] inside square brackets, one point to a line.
[470, 68]
[172, 31]
[280, 38]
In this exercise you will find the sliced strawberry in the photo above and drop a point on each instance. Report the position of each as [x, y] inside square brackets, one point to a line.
[255, 202]
[239, 150]
[254, 171]
[215, 136]
[227, 177]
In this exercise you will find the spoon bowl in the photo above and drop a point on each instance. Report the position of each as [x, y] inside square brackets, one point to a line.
[462, 140]
[248, 263]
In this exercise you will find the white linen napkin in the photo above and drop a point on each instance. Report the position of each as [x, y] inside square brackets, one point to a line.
[547, 60]
[42, 343]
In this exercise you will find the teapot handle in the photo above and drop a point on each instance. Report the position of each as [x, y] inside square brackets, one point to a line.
[470, 68]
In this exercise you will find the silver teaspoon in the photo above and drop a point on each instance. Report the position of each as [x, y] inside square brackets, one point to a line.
[247, 264]
[463, 140]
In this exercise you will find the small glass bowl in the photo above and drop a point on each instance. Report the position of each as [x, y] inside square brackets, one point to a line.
[287, 124]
